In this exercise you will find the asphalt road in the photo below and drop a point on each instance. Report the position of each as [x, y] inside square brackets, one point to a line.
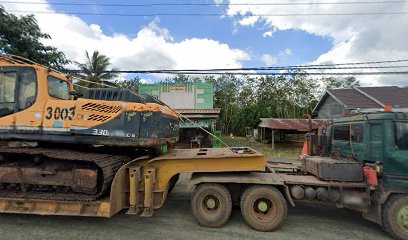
[174, 221]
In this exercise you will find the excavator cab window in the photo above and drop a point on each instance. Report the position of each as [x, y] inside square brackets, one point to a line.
[27, 91]
[58, 88]
[18, 89]
[8, 82]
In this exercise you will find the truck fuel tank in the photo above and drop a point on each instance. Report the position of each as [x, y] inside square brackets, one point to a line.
[330, 169]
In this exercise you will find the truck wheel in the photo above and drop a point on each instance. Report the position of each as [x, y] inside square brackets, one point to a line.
[263, 208]
[211, 205]
[395, 216]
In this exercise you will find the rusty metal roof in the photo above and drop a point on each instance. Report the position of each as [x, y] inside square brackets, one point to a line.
[290, 124]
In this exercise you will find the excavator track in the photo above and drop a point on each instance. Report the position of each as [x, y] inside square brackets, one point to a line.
[108, 164]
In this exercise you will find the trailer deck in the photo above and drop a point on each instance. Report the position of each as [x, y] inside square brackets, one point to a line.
[143, 183]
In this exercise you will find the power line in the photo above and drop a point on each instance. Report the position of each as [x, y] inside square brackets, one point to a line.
[186, 72]
[276, 68]
[288, 73]
[291, 73]
[245, 69]
[212, 14]
[354, 63]
[207, 4]
[294, 68]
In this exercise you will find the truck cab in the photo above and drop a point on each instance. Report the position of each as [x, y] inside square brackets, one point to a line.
[378, 140]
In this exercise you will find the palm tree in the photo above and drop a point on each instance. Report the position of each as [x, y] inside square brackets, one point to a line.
[94, 70]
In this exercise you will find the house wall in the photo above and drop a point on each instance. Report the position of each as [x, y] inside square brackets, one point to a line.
[194, 95]
[330, 109]
[181, 95]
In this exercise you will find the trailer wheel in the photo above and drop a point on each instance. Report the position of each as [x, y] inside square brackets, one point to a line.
[211, 205]
[263, 208]
[395, 216]
[173, 181]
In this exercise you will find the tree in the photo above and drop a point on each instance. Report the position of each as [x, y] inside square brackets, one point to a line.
[94, 70]
[22, 36]
[132, 84]
[347, 82]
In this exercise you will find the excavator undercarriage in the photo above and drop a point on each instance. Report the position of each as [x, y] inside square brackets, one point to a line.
[56, 173]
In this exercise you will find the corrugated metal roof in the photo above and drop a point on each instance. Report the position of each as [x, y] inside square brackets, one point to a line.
[290, 124]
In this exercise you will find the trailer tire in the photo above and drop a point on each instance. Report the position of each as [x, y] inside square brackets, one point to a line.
[395, 216]
[263, 208]
[211, 205]
[173, 181]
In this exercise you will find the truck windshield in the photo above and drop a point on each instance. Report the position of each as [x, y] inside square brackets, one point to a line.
[401, 134]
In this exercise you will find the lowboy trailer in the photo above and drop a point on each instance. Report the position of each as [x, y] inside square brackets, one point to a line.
[142, 185]
[221, 178]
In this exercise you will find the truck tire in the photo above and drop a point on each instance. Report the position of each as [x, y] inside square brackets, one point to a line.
[263, 208]
[211, 205]
[395, 216]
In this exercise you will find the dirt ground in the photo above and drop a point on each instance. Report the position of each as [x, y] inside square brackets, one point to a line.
[175, 221]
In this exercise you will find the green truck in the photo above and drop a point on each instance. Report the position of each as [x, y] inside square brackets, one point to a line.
[358, 162]
[378, 142]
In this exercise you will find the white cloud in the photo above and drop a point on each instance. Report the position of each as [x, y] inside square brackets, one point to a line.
[145, 81]
[268, 59]
[355, 38]
[267, 34]
[286, 52]
[153, 47]
[219, 1]
[249, 21]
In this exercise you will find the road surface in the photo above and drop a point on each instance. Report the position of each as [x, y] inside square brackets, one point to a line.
[174, 221]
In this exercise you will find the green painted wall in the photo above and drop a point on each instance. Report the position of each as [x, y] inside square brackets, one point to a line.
[203, 92]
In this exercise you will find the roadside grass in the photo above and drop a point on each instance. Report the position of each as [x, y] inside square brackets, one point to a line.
[288, 150]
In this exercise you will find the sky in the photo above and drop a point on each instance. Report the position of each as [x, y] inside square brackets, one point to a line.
[236, 37]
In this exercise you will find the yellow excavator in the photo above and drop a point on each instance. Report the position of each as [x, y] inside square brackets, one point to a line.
[61, 144]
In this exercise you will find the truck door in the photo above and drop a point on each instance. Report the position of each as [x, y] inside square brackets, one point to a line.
[376, 148]
[348, 140]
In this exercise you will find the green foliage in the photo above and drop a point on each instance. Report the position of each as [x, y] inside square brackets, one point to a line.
[244, 99]
[132, 84]
[181, 78]
[94, 70]
[22, 36]
[347, 82]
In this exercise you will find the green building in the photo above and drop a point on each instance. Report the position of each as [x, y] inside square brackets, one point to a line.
[193, 100]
